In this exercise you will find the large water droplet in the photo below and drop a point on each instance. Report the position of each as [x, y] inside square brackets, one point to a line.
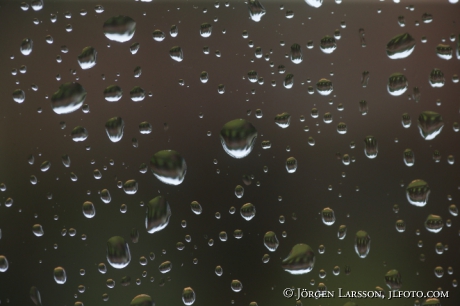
[158, 214]
[300, 260]
[68, 98]
[119, 28]
[118, 254]
[283, 120]
[169, 167]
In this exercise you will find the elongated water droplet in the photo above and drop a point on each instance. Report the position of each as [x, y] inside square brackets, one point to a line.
[362, 244]
[188, 296]
[158, 214]
[291, 165]
[296, 54]
[409, 158]
[400, 46]
[371, 147]
[114, 128]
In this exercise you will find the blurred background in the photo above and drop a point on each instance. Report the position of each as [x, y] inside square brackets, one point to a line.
[187, 116]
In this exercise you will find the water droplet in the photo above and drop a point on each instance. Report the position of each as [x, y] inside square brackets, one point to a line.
[430, 124]
[327, 44]
[291, 165]
[169, 167]
[400, 226]
[300, 260]
[68, 98]
[158, 214]
[236, 285]
[444, 51]
[165, 267]
[113, 93]
[19, 96]
[238, 138]
[26, 46]
[60, 275]
[173, 31]
[342, 232]
[271, 241]
[87, 58]
[397, 84]
[158, 35]
[105, 196]
[314, 3]
[79, 133]
[324, 87]
[409, 158]
[130, 187]
[89, 211]
[362, 244]
[283, 120]
[371, 147]
[119, 28]
[288, 81]
[393, 279]
[434, 223]
[118, 254]
[205, 29]
[437, 78]
[176, 54]
[256, 10]
[400, 46]
[188, 296]
[142, 300]
[296, 53]
[248, 211]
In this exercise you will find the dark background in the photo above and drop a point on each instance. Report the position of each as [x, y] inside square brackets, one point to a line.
[305, 192]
